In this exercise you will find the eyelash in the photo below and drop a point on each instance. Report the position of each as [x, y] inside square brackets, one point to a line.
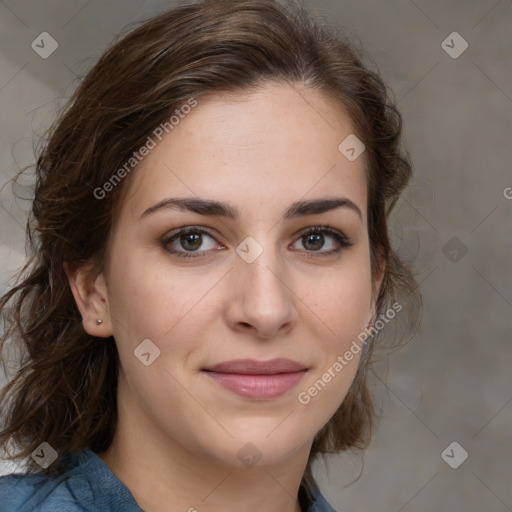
[338, 237]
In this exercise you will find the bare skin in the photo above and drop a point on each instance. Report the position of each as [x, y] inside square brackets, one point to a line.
[178, 441]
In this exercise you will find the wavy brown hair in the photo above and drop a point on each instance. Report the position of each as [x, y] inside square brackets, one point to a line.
[64, 390]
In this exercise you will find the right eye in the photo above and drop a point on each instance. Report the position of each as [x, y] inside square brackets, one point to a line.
[186, 242]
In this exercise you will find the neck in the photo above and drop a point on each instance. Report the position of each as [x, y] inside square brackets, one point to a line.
[159, 482]
[164, 476]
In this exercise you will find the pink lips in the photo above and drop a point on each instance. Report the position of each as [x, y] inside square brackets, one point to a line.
[257, 379]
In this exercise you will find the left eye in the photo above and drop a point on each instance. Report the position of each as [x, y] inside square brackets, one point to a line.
[314, 240]
[187, 242]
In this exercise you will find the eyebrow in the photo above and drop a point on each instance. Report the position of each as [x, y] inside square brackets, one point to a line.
[220, 209]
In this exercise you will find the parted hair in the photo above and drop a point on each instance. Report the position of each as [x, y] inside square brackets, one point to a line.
[63, 389]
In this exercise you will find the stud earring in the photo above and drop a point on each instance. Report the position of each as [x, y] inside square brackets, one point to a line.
[99, 321]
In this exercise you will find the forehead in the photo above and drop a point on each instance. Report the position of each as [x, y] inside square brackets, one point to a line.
[263, 149]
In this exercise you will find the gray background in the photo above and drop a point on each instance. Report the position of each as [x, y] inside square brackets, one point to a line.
[453, 381]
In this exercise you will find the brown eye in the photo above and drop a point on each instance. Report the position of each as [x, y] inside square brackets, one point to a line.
[324, 238]
[313, 241]
[185, 242]
[191, 241]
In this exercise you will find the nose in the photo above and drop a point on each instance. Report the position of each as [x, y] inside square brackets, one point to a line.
[261, 297]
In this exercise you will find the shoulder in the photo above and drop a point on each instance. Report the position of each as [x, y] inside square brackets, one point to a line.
[312, 500]
[320, 504]
[87, 485]
[37, 493]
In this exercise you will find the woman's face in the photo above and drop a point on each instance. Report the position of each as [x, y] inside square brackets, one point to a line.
[247, 282]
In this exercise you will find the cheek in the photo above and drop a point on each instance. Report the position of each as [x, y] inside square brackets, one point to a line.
[341, 301]
[148, 299]
[341, 304]
[170, 307]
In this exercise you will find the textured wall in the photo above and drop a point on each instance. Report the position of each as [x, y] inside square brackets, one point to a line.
[453, 381]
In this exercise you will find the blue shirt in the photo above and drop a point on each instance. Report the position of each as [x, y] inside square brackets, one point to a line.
[87, 485]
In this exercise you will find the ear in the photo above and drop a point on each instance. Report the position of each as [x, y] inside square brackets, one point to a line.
[91, 296]
[376, 284]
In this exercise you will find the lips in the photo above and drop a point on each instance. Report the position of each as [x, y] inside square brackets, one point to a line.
[257, 379]
[253, 367]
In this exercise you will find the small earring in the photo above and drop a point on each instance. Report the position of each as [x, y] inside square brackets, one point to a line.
[99, 321]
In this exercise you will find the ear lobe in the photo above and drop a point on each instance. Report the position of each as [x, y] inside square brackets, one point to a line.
[91, 296]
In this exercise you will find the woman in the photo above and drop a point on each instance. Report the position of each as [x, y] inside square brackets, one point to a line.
[210, 269]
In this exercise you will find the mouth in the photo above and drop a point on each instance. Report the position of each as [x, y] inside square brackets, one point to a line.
[258, 380]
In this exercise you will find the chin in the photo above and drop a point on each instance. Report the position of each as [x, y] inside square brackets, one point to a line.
[260, 442]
